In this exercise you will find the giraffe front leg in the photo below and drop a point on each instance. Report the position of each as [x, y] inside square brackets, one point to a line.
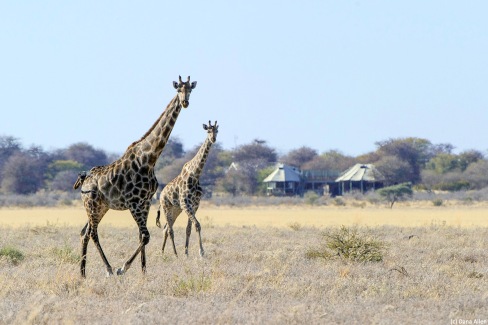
[139, 213]
[143, 259]
[144, 239]
[198, 229]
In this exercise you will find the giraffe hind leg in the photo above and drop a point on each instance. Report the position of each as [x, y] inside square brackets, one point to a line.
[89, 231]
[193, 219]
[85, 238]
[171, 213]
[165, 231]
[169, 231]
[198, 228]
[94, 237]
[188, 233]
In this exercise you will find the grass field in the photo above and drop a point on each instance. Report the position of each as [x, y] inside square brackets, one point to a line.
[257, 268]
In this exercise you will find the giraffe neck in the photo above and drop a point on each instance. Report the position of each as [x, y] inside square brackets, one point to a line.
[195, 166]
[150, 146]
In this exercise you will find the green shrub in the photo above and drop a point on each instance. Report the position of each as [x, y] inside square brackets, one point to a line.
[314, 253]
[12, 254]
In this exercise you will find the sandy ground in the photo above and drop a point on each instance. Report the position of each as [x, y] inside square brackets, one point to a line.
[267, 216]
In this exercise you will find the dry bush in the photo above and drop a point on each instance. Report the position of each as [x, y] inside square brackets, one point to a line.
[347, 243]
[295, 226]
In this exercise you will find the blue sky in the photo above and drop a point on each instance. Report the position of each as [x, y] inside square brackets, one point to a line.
[325, 74]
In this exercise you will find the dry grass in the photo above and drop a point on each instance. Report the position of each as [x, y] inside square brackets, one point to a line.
[250, 274]
[403, 215]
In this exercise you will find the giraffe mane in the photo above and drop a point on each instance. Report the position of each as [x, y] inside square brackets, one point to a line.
[155, 123]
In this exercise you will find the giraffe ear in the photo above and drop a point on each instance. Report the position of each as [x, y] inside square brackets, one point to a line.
[193, 84]
[205, 127]
[175, 84]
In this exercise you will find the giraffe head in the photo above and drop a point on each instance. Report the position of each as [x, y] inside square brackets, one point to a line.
[184, 90]
[212, 131]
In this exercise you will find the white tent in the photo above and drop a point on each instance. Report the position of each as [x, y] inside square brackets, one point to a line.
[361, 177]
[284, 180]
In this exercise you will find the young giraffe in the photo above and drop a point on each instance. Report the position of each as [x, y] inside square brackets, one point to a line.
[129, 182]
[184, 192]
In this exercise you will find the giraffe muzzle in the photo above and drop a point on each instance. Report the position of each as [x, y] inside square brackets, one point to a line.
[185, 103]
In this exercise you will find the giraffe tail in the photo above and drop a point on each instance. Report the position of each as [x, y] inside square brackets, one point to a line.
[158, 216]
[79, 180]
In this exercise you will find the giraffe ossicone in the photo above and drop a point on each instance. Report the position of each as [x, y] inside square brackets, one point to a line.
[184, 192]
[129, 183]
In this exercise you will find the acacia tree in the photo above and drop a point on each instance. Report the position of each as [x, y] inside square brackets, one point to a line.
[395, 193]
[477, 174]
[299, 157]
[394, 170]
[330, 160]
[8, 146]
[251, 158]
[86, 155]
[234, 182]
[451, 172]
[61, 174]
[415, 151]
[24, 171]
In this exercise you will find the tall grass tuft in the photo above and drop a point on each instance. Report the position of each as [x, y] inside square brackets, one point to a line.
[66, 254]
[183, 287]
[12, 254]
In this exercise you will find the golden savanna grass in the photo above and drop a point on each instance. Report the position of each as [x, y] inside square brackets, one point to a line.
[257, 268]
[281, 216]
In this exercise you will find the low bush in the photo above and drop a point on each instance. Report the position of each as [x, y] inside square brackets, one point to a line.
[348, 243]
[310, 197]
[437, 202]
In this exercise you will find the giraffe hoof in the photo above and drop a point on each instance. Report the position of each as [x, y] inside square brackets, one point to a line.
[109, 273]
[120, 272]
[202, 253]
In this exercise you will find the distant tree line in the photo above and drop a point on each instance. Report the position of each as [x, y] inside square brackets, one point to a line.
[240, 171]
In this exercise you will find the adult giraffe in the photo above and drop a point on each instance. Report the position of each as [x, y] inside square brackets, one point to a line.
[129, 182]
[184, 192]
